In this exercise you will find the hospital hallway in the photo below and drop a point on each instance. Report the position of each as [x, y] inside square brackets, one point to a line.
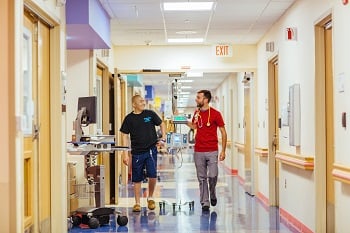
[236, 211]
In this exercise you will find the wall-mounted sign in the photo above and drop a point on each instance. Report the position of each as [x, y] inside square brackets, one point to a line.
[222, 50]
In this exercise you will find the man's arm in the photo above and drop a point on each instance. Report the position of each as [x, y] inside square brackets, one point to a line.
[126, 142]
[223, 143]
[163, 130]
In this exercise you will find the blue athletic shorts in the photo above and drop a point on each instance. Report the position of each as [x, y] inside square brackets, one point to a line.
[146, 160]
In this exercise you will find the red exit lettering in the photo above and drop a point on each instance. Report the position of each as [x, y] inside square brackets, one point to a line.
[221, 50]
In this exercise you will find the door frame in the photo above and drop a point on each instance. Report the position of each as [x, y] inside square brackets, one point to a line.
[100, 65]
[273, 130]
[58, 162]
[120, 102]
[320, 127]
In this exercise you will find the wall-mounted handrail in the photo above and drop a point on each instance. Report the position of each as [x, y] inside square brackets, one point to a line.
[341, 173]
[261, 152]
[299, 161]
[240, 147]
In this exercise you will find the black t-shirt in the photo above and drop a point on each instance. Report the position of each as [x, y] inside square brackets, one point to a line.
[141, 128]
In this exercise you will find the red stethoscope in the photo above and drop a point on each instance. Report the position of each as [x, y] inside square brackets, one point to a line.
[197, 115]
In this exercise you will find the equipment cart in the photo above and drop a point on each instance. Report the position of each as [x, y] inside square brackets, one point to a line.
[95, 214]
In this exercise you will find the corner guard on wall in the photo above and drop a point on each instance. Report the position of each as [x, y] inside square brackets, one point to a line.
[341, 173]
[262, 152]
[302, 162]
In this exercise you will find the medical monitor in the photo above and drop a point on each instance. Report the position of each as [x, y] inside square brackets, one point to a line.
[86, 115]
[88, 105]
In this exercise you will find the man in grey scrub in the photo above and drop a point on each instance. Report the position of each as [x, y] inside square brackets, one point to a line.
[205, 122]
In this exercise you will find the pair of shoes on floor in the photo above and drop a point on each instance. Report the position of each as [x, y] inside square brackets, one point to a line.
[136, 208]
[151, 204]
[213, 201]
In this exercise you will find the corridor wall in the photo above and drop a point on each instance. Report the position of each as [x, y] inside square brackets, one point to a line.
[296, 61]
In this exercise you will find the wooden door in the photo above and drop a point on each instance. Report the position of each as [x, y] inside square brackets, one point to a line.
[273, 141]
[324, 127]
[247, 139]
[35, 104]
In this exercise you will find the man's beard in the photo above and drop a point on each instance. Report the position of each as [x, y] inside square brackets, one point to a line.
[199, 105]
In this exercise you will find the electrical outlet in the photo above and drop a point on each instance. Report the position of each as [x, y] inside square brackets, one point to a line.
[285, 183]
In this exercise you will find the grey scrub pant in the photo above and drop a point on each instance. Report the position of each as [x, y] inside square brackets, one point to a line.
[207, 172]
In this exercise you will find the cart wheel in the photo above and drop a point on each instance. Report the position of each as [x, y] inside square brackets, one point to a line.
[122, 220]
[76, 220]
[93, 223]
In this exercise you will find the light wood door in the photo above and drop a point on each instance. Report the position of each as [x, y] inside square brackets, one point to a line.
[276, 132]
[324, 127]
[247, 139]
[273, 103]
[35, 104]
[329, 126]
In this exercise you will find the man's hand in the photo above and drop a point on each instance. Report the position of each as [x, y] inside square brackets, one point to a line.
[126, 159]
[161, 143]
[222, 156]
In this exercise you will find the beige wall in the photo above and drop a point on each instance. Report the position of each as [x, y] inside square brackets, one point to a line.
[341, 48]
[172, 58]
[297, 65]
[227, 104]
[79, 76]
[78, 84]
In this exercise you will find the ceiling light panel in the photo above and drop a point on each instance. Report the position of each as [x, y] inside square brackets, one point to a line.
[188, 6]
[185, 81]
[185, 40]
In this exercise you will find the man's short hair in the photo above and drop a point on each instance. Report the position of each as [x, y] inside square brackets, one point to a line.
[206, 93]
[135, 97]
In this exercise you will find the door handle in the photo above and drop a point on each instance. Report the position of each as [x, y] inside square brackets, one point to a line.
[36, 129]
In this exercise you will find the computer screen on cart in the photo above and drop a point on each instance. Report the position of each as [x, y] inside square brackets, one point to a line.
[88, 105]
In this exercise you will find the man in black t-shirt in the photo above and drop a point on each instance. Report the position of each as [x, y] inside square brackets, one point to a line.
[140, 125]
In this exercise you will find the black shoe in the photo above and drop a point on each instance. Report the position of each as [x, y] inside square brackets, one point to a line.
[213, 201]
[205, 208]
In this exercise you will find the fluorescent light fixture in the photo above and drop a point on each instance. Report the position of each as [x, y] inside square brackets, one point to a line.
[185, 81]
[186, 40]
[183, 96]
[184, 92]
[186, 87]
[188, 6]
[186, 32]
[194, 74]
[184, 101]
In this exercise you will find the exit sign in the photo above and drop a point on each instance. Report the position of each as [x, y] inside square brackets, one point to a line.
[222, 50]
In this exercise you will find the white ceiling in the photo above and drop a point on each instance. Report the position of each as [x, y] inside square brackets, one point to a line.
[143, 22]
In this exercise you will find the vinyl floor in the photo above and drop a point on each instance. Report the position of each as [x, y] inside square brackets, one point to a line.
[177, 186]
